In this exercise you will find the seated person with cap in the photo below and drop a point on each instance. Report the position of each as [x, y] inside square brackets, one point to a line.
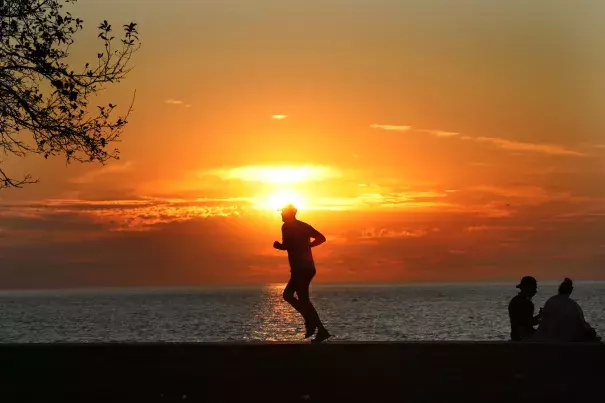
[521, 311]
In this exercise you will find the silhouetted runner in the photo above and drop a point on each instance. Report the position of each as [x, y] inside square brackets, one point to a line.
[296, 239]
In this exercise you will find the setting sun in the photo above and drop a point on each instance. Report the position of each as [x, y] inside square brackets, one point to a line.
[281, 197]
[281, 184]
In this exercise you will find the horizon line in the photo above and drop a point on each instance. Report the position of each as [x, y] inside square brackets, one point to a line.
[278, 284]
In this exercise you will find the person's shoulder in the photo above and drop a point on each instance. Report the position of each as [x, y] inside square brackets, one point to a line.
[518, 300]
[513, 301]
[303, 224]
[551, 303]
[574, 302]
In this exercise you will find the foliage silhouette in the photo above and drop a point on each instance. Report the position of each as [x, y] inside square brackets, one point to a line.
[44, 103]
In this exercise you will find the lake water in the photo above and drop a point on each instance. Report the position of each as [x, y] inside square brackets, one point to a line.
[351, 312]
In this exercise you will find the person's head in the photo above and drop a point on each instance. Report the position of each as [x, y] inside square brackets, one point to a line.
[528, 286]
[566, 287]
[288, 213]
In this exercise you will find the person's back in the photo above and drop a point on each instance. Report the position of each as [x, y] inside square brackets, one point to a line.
[521, 310]
[297, 235]
[563, 319]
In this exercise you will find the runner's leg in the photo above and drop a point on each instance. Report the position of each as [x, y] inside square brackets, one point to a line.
[288, 294]
[305, 302]
[297, 285]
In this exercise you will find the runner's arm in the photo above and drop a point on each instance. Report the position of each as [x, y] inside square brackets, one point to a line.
[318, 237]
[280, 245]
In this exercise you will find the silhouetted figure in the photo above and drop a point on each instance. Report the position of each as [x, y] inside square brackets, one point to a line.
[296, 239]
[521, 310]
[563, 319]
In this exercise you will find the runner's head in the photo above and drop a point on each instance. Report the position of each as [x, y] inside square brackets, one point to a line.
[288, 213]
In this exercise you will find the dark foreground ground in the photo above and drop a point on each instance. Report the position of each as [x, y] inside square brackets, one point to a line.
[332, 372]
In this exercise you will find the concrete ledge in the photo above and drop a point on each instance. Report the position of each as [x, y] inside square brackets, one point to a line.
[290, 372]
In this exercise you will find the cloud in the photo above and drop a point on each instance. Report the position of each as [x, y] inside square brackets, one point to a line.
[372, 233]
[279, 117]
[110, 169]
[176, 253]
[386, 201]
[494, 248]
[126, 215]
[550, 149]
[441, 133]
[531, 195]
[171, 101]
[482, 228]
[391, 127]
[159, 241]
[532, 192]
[402, 128]
[276, 174]
[525, 201]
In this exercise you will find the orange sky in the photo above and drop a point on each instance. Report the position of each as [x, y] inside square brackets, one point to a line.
[429, 141]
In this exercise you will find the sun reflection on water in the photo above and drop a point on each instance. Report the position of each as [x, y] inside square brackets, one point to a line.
[274, 319]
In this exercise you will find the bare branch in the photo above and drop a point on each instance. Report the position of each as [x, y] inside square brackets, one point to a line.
[8, 182]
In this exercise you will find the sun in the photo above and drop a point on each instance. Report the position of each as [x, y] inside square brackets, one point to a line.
[276, 199]
[277, 186]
